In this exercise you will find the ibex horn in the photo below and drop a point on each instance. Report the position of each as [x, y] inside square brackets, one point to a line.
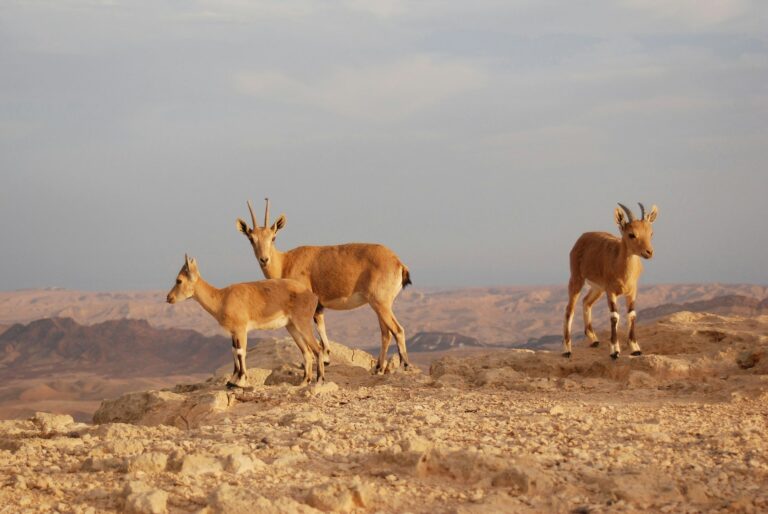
[642, 211]
[266, 213]
[629, 213]
[253, 216]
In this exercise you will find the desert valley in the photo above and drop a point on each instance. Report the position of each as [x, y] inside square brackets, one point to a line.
[116, 402]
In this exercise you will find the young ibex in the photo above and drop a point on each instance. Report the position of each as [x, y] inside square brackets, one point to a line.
[263, 305]
[610, 265]
[344, 277]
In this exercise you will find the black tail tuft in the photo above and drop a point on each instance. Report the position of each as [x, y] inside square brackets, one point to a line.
[406, 277]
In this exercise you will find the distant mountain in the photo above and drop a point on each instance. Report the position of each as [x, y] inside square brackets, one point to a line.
[493, 315]
[118, 348]
[440, 341]
[733, 304]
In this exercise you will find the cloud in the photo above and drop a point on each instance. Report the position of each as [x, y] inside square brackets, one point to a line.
[692, 13]
[387, 92]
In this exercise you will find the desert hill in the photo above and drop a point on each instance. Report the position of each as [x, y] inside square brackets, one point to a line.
[117, 348]
[440, 341]
[679, 429]
[61, 366]
[492, 315]
[733, 304]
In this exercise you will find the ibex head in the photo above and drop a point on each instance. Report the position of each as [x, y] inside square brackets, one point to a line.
[261, 238]
[636, 233]
[185, 282]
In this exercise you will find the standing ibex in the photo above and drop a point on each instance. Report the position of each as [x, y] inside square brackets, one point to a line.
[344, 277]
[263, 305]
[610, 265]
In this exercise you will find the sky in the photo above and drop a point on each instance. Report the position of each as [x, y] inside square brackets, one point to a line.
[477, 139]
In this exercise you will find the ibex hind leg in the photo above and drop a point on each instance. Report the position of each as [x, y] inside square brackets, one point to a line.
[386, 337]
[305, 330]
[390, 327]
[299, 340]
[574, 288]
[319, 318]
[589, 300]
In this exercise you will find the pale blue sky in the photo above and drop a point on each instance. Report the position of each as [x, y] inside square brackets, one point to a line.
[476, 139]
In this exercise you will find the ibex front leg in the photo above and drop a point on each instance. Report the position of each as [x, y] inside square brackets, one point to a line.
[631, 317]
[239, 347]
[613, 307]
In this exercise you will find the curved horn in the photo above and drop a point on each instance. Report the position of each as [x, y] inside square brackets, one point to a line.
[253, 216]
[629, 213]
[642, 211]
[266, 213]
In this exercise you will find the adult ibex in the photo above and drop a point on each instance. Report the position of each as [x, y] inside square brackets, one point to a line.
[610, 265]
[344, 277]
[263, 305]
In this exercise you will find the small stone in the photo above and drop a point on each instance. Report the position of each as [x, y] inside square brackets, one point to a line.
[149, 502]
[557, 410]
[51, 423]
[194, 465]
[151, 462]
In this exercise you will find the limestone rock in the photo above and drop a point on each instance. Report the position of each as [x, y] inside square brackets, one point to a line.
[227, 499]
[199, 464]
[162, 408]
[151, 462]
[339, 497]
[154, 501]
[52, 423]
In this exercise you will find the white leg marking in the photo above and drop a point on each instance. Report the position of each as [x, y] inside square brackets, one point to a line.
[633, 346]
[631, 314]
[615, 315]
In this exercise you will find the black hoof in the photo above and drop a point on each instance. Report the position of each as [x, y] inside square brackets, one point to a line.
[615, 355]
[326, 363]
[231, 385]
[567, 355]
[595, 344]
[637, 353]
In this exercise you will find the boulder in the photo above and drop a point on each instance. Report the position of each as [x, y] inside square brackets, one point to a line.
[163, 408]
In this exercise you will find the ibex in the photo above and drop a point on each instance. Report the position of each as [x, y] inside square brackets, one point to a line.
[344, 277]
[263, 305]
[610, 265]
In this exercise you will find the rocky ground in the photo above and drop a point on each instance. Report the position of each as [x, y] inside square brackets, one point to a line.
[679, 429]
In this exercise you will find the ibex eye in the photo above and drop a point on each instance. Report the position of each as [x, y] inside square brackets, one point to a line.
[632, 236]
[178, 281]
[273, 238]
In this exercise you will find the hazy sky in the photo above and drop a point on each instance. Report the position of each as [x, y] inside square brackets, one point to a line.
[477, 139]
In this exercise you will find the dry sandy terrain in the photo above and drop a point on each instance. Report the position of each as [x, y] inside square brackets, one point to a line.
[494, 315]
[679, 429]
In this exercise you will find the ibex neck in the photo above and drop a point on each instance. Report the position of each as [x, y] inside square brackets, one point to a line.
[627, 262]
[208, 297]
[275, 267]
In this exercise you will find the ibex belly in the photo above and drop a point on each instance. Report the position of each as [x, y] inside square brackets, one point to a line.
[270, 324]
[346, 303]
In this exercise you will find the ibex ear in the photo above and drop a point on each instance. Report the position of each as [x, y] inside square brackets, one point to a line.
[651, 216]
[279, 223]
[242, 226]
[620, 217]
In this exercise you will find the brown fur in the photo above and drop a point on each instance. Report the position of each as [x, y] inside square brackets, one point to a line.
[267, 304]
[610, 265]
[343, 277]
